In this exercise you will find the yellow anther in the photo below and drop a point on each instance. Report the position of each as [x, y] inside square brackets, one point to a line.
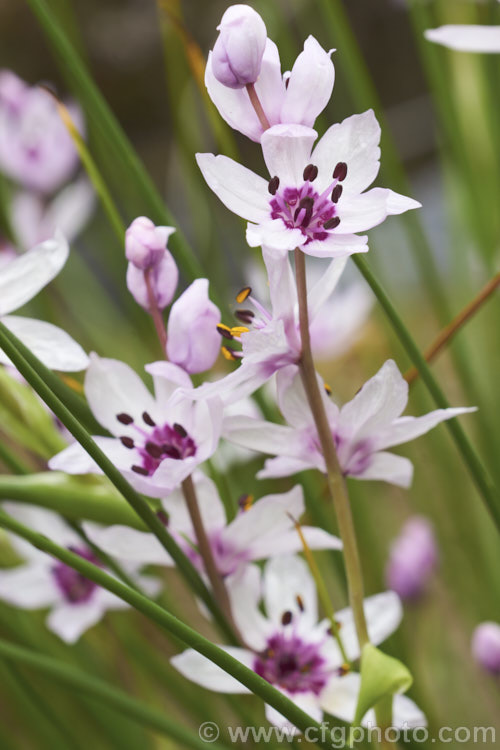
[245, 502]
[243, 294]
[327, 389]
[344, 669]
[238, 330]
[228, 353]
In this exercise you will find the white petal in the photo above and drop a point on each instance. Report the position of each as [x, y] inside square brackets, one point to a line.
[378, 403]
[71, 209]
[245, 592]
[310, 85]
[308, 702]
[26, 275]
[113, 388]
[274, 234]
[338, 325]
[54, 347]
[387, 467]
[167, 378]
[28, 586]
[239, 189]
[264, 437]
[285, 579]
[361, 212]
[466, 38]
[406, 713]
[337, 246]
[287, 150]
[211, 508]
[126, 543]
[293, 403]
[319, 294]
[44, 521]
[355, 142]
[340, 696]
[199, 669]
[70, 621]
[282, 288]
[76, 460]
[383, 614]
[284, 466]
[409, 428]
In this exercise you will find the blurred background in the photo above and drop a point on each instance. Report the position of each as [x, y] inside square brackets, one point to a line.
[440, 115]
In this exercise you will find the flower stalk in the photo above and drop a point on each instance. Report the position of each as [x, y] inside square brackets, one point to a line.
[259, 111]
[155, 312]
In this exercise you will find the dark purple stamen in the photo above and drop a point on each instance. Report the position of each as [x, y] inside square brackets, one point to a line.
[286, 617]
[124, 418]
[140, 470]
[180, 430]
[293, 664]
[336, 193]
[245, 316]
[224, 332]
[310, 173]
[273, 185]
[340, 171]
[148, 420]
[154, 450]
[127, 442]
[171, 451]
[332, 223]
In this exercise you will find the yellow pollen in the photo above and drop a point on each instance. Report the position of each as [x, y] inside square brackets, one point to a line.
[228, 354]
[243, 294]
[327, 389]
[300, 602]
[246, 502]
[344, 669]
[238, 330]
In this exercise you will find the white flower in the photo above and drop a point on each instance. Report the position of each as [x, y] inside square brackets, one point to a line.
[76, 603]
[292, 650]
[314, 199]
[298, 97]
[158, 440]
[260, 530]
[20, 280]
[362, 429]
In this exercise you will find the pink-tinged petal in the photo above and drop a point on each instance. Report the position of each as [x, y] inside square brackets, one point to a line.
[354, 141]
[284, 466]
[285, 579]
[53, 346]
[263, 437]
[76, 460]
[379, 402]
[113, 388]
[126, 543]
[387, 467]
[239, 384]
[274, 234]
[362, 212]
[322, 290]
[245, 592]
[337, 246]
[28, 586]
[409, 428]
[308, 702]
[167, 378]
[267, 519]
[234, 104]
[70, 621]
[310, 85]
[193, 341]
[199, 669]
[466, 38]
[26, 275]
[239, 189]
[287, 150]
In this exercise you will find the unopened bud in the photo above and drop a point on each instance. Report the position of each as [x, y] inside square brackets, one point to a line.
[193, 341]
[162, 278]
[486, 646]
[238, 51]
[145, 243]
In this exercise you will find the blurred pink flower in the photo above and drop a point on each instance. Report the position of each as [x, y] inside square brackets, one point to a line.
[413, 558]
[486, 646]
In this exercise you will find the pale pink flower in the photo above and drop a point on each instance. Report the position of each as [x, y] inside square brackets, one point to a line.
[486, 646]
[236, 58]
[413, 558]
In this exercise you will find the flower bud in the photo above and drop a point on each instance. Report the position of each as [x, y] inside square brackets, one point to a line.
[163, 278]
[237, 53]
[486, 646]
[413, 559]
[193, 341]
[145, 243]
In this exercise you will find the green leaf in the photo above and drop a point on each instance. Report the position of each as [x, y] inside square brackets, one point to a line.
[381, 677]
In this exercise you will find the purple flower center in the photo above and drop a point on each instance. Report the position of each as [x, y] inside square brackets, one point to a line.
[154, 443]
[304, 208]
[292, 664]
[356, 457]
[75, 588]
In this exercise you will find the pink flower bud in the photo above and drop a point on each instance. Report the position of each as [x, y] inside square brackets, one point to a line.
[413, 559]
[486, 646]
[145, 243]
[163, 277]
[193, 341]
[237, 53]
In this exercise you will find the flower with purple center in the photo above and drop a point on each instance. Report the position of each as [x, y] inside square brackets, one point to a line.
[315, 199]
[289, 648]
[75, 602]
[260, 530]
[362, 429]
[158, 440]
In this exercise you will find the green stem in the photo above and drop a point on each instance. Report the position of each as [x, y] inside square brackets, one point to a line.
[11, 461]
[108, 561]
[101, 691]
[30, 367]
[476, 469]
[335, 479]
[171, 624]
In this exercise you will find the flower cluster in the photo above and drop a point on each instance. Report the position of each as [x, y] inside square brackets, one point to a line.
[316, 200]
